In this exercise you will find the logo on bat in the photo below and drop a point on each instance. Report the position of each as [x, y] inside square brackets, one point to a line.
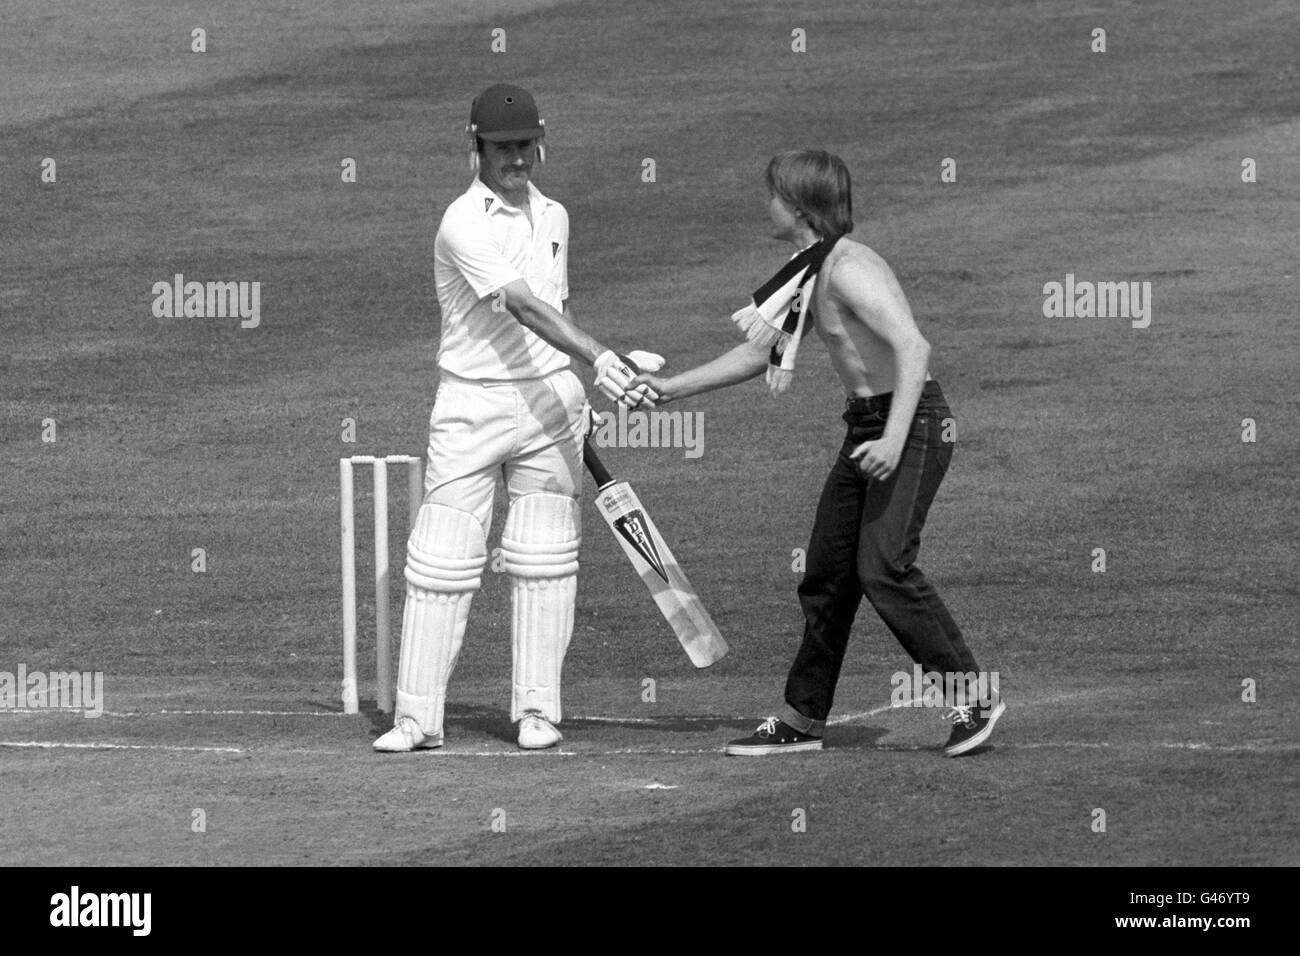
[633, 529]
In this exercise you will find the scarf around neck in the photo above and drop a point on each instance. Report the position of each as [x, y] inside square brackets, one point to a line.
[776, 313]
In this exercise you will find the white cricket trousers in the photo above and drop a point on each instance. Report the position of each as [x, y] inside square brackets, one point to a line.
[528, 430]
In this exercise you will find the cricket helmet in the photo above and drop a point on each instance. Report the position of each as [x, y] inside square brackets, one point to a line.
[502, 113]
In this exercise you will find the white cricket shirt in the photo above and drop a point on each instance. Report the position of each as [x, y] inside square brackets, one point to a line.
[482, 245]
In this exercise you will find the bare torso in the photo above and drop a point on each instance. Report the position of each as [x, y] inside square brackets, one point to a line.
[863, 360]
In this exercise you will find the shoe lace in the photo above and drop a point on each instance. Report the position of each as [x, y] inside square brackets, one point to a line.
[767, 728]
[961, 715]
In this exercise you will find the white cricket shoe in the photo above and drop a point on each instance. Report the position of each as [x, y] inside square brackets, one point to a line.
[537, 733]
[405, 736]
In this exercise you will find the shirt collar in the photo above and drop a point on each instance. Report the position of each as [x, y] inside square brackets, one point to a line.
[535, 197]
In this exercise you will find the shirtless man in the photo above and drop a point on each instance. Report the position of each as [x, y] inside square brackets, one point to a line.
[869, 519]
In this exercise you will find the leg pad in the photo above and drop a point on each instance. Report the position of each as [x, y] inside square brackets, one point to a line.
[539, 549]
[444, 564]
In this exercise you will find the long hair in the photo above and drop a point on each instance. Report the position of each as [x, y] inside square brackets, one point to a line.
[816, 183]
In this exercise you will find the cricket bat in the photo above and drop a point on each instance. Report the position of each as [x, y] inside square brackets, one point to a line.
[649, 554]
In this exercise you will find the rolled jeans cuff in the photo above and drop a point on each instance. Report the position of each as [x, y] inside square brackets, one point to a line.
[805, 725]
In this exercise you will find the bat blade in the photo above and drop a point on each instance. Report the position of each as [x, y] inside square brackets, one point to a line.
[654, 562]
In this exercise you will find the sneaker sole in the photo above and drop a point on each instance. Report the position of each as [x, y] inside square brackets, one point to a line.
[968, 745]
[749, 750]
[426, 745]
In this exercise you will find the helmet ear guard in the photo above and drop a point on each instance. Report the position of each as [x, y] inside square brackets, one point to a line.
[470, 131]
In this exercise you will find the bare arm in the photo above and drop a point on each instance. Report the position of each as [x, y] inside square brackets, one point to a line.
[738, 365]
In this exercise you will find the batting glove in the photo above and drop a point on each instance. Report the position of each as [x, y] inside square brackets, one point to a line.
[641, 361]
[614, 375]
[645, 361]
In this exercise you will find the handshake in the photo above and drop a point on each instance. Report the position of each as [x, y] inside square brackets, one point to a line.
[615, 375]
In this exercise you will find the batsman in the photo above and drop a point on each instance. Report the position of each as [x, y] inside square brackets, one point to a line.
[508, 405]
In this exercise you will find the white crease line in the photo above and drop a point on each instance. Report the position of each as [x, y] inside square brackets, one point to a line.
[34, 711]
[694, 718]
[1104, 745]
[849, 718]
[233, 713]
[1017, 703]
[603, 719]
[227, 713]
[1250, 748]
[997, 745]
[651, 752]
[664, 752]
[540, 754]
[50, 745]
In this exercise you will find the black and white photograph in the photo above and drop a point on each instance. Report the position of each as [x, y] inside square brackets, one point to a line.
[594, 433]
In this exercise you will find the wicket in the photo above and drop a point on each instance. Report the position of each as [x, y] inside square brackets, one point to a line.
[415, 478]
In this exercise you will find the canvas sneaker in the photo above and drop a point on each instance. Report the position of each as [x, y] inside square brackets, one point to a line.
[971, 726]
[773, 736]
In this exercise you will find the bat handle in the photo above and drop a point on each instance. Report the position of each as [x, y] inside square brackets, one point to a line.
[594, 466]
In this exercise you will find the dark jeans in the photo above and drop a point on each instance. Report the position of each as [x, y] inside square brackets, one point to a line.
[864, 540]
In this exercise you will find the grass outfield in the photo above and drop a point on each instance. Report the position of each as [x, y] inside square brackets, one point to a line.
[221, 688]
